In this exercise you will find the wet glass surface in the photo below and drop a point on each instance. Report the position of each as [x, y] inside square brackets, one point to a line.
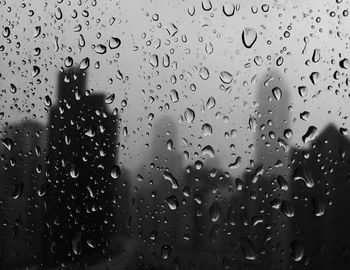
[150, 134]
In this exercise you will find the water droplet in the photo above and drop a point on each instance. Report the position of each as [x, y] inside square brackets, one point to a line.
[169, 177]
[47, 101]
[207, 130]
[310, 134]
[68, 62]
[204, 73]
[208, 150]
[37, 31]
[344, 63]
[210, 103]
[215, 212]
[316, 56]
[226, 77]
[287, 208]
[114, 43]
[76, 244]
[304, 175]
[110, 99]
[74, 171]
[8, 143]
[189, 115]
[85, 63]
[249, 36]
[314, 77]
[172, 202]
[100, 49]
[153, 60]
[115, 172]
[165, 251]
[302, 90]
[297, 250]
[174, 96]
[13, 88]
[35, 71]
[277, 93]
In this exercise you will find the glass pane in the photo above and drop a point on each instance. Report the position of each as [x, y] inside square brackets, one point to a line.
[174, 134]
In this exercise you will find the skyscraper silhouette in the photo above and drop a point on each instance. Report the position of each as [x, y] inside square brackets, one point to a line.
[267, 183]
[156, 220]
[321, 200]
[81, 198]
[22, 174]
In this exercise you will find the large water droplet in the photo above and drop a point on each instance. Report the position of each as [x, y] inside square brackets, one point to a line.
[215, 211]
[115, 172]
[249, 36]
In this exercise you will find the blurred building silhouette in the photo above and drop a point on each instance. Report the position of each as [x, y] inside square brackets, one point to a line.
[83, 177]
[266, 193]
[321, 201]
[156, 220]
[22, 174]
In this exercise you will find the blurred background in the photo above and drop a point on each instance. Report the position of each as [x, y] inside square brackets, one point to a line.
[174, 135]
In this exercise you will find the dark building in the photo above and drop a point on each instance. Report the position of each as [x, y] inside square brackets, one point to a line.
[321, 201]
[266, 184]
[82, 198]
[22, 174]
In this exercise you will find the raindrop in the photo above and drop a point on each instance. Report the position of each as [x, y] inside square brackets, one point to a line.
[208, 150]
[13, 88]
[215, 212]
[319, 206]
[47, 101]
[172, 202]
[204, 73]
[207, 130]
[210, 103]
[174, 96]
[228, 11]
[310, 134]
[114, 43]
[68, 62]
[115, 172]
[8, 143]
[302, 90]
[314, 77]
[189, 115]
[344, 63]
[153, 60]
[226, 77]
[249, 36]
[37, 31]
[110, 99]
[297, 250]
[287, 208]
[169, 177]
[74, 171]
[316, 56]
[85, 63]
[277, 93]
[304, 175]
[100, 49]
[35, 71]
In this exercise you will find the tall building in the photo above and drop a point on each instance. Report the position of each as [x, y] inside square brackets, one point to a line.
[82, 174]
[267, 183]
[320, 188]
[22, 185]
[156, 219]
